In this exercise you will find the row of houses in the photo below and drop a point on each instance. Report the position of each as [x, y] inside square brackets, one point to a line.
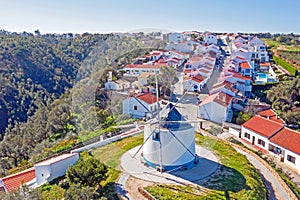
[197, 71]
[248, 64]
[252, 56]
[267, 132]
[184, 42]
[153, 61]
[198, 67]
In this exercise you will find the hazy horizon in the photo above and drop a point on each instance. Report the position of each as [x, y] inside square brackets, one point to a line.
[126, 16]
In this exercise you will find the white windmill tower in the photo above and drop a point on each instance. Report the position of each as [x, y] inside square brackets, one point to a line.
[169, 141]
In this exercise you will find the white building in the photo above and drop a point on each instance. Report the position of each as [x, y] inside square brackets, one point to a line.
[194, 83]
[53, 168]
[142, 105]
[162, 149]
[176, 37]
[216, 107]
[285, 145]
[118, 85]
[186, 46]
[258, 130]
[137, 69]
[225, 87]
[267, 133]
[210, 38]
[143, 78]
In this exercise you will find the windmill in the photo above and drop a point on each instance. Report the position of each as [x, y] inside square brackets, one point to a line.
[169, 141]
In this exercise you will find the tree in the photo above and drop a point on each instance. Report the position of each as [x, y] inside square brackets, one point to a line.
[87, 172]
[77, 192]
[167, 78]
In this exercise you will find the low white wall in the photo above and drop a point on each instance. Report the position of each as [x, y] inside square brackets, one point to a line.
[234, 132]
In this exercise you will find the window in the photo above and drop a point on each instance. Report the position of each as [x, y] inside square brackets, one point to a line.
[291, 159]
[247, 135]
[155, 136]
[135, 107]
[261, 142]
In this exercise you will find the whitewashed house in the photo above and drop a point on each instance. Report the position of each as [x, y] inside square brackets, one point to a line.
[142, 105]
[267, 133]
[137, 69]
[246, 69]
[186, 46]
[210, 38]
[176, 37]
[226, 87]
[118, 85]
[258, 130]
[216, 107]
[53, 168]
[194, 83]
[286, 145]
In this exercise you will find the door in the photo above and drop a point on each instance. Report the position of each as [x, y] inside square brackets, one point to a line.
[253, 140]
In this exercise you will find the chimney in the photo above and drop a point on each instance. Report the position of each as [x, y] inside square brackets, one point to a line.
[109, 76]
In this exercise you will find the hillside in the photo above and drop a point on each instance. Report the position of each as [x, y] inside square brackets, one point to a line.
[35, 70]
[50, 89]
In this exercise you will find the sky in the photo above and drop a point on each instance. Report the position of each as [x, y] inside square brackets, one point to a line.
[103, 16]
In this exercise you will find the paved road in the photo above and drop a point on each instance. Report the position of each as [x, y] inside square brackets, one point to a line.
[279, 191]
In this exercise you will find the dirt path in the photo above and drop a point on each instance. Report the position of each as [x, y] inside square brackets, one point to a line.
[132, 186]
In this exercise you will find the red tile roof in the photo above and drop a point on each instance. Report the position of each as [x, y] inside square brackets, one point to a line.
[262, 126]
[195, 59]
[187, 71]
[265, 64]
[277, 119]
[245, 65]
[220, 98]
[271, 114]
[198, 78]
[223, 99]
[14, 181]
[148, 98]
[241, 58]
[288, 139]
[145, 66]
[267, 113]
[204, 71]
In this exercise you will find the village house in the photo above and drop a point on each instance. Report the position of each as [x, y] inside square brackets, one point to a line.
[258, 130]
[216, 107]
[267, 132]
[194, 83]
[142, 105]
[137, 69]
[210, 38]
[41, 173]
[286, 146]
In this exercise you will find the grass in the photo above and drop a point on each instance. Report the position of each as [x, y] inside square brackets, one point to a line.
[291, 184]
[110, 154]
[286, 65]
[165, 192]
[237, 178]
[275, 44]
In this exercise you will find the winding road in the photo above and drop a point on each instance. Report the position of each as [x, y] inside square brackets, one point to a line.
[274, 187]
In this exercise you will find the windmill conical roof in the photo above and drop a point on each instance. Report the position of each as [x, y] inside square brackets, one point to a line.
[171, 118]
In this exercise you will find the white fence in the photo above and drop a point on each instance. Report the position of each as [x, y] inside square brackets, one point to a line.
[106, 141]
